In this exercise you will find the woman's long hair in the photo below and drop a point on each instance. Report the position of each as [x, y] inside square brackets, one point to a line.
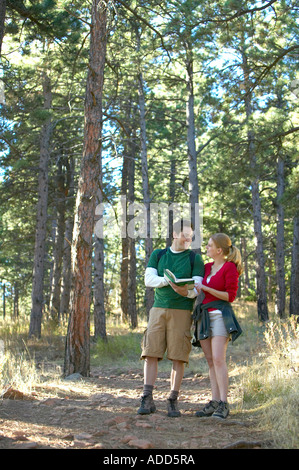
[231, 252]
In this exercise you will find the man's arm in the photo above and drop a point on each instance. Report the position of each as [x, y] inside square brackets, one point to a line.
[151, 278]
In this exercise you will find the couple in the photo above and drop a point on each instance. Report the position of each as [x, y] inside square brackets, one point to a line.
[170, 318]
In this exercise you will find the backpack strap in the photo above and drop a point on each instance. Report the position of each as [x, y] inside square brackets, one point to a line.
[161, 253]
[192, 259]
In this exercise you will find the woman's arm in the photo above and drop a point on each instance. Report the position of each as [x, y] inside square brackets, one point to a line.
[216, 293]
[230, 285]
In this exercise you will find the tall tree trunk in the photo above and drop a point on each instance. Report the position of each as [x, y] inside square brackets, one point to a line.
[2, 21]
[172, 179]
[245, 263]
[58, 243]
[128, 264]
[41, 223]
[69, 225]
[132, 308]
[262, 305]
[270, 279]
[99, 293]
[294, 294]
[280, 242]
[149, 294]
[192, 156]
[124, 268]
[280, 248]
[99, 287]
[16, 301]
[4, 300]
[77, 354]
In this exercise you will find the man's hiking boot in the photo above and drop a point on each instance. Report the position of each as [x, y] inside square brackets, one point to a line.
[172, 408]
[222, 411]
[208, 409]
[147, 405]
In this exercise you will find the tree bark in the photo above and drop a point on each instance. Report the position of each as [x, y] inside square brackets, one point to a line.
[280, 244]
[2, 21]
[192, 155]
[280, 241]
[124, 269]
[128, 264]
[99, 287]
[41, 223]
[4, 301]
[149, 293]
[294, 294]
[132, 307]
[69, 225]
[58, 243]
[172, 179]
[99, 293]
[77, 355]
[262, 305]
[245, 264]
[16, 301]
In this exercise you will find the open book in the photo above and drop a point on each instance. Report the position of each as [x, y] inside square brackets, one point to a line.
[169, 276]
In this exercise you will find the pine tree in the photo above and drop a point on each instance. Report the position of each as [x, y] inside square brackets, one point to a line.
[78, 342]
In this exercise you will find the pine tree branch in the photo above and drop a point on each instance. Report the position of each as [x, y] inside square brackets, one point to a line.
[269, 67]
[25, 13]
[283, 134]
[247, 10]
[144, 21]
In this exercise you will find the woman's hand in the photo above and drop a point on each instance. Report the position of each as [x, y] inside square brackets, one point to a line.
[181, 290]
[199, 287]
[219, 294]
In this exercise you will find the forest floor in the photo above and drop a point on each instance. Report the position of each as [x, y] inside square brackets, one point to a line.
[100, 412]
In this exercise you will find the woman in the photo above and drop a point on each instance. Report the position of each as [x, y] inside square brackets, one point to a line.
[217, 322]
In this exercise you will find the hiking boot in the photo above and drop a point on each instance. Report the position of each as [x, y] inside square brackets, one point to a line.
[147, 405]
[208, 409]
[222, 411]
[172, 408]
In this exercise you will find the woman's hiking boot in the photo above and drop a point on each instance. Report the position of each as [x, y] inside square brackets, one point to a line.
[222, 411]
[208, 410]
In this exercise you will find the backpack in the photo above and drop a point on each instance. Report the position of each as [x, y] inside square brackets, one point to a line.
[192, 257]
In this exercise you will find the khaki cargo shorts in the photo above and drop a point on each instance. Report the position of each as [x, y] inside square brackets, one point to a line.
[168, 329]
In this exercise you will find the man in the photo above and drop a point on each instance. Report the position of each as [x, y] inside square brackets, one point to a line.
[170, 318]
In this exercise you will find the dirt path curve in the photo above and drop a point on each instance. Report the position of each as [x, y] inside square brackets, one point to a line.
[100, 413]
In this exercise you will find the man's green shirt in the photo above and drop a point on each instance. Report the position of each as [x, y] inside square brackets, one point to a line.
[179, 264]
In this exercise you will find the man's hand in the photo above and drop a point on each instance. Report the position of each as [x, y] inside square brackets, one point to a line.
[181, 290]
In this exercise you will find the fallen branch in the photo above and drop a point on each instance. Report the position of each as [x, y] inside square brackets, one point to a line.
[244, 445]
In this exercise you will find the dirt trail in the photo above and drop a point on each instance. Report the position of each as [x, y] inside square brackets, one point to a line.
[100, 413]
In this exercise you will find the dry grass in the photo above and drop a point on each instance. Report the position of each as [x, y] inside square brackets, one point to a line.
[263, 365]
[270, 383]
